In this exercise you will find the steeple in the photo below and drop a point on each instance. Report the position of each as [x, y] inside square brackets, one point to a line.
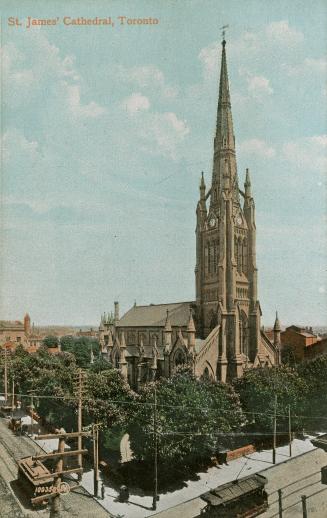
[224, 160]
[224, 128]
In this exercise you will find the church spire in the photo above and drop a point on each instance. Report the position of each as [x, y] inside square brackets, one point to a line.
[224, 129]
[224, 160]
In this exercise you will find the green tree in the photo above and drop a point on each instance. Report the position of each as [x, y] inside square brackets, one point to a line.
[108, 397]
[50, 341]
[194, 418]
[314, 374]
[288, 356]
[257, 389]
[81, 348]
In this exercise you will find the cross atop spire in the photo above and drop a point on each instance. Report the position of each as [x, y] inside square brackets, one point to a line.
[223, 33]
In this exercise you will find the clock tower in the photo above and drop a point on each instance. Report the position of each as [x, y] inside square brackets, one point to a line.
[226, 272]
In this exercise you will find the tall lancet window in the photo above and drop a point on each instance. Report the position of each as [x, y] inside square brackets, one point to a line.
[215, 256]
[206, 258]
[239, 255]
[245, 256]
[236, 249]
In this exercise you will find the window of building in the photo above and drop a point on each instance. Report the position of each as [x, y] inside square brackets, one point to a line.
[116, 360]
[245, 256]
[180, 358]
[239, 255]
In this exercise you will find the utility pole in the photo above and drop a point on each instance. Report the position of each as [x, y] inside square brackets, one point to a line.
[289, 430]
[280, 504]
[58, 469]
[13, 396]
[62, 436]
[304, 506]
[155, 440]
[96, 459]
[79, 390]
[6, 376]
[31, 392]
[275, 430]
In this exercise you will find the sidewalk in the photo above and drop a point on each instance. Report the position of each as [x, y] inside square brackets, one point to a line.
[184, 503]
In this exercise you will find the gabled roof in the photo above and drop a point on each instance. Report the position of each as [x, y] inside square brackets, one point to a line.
[155, 315]
[11, 324]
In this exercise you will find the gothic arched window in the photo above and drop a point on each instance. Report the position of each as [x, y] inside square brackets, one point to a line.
[236, 249]
[245, 256]
[243, 327]
[239, 255]
[116, 360]
[180, 358]
[206, 258]
[206, 374]
[215, 256]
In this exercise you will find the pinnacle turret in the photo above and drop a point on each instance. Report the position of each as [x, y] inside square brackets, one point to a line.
[277, 324]
[202, 187]
[247, 184]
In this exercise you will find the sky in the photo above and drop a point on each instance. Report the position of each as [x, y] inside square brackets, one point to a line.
[105, 132]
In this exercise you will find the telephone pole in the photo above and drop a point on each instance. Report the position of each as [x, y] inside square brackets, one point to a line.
[155, 440]
[13, 395]
[275, 431]
[289, 430]
[96, 459]
[31, 392]
[79, 389]
[6, 375]
[59, 470]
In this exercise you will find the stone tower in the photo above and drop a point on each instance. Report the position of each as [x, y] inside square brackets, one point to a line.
[226, 272]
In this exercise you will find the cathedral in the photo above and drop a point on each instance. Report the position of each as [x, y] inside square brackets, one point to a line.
[218, 335]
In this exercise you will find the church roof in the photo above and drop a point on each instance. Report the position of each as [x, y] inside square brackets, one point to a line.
[11, 324]
[155, 315]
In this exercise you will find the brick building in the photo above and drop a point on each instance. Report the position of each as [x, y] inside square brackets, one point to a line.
[316, 349]
[299, 340]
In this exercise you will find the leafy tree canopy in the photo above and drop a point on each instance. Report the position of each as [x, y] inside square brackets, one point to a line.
[194, 417]
[257, 389]
[314, 373]
[50, 341]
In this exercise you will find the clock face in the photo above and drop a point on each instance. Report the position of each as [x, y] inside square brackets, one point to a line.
[212, 222]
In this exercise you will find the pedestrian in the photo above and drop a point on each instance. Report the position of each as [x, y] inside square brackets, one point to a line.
[102, 491]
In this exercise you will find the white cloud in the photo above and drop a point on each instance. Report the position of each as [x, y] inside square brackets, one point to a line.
[15, 144]
[166, 131]
[147, 76]
[307, 153]
[257, 147]
[308, 66]
[135, 103]
[74, 102]
[258, 86]
[281, 32]
[33, 65]
[209, 57]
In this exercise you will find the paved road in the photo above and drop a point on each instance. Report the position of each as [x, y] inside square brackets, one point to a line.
[14, 501]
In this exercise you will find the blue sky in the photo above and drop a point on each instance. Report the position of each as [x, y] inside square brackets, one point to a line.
[107, 129]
